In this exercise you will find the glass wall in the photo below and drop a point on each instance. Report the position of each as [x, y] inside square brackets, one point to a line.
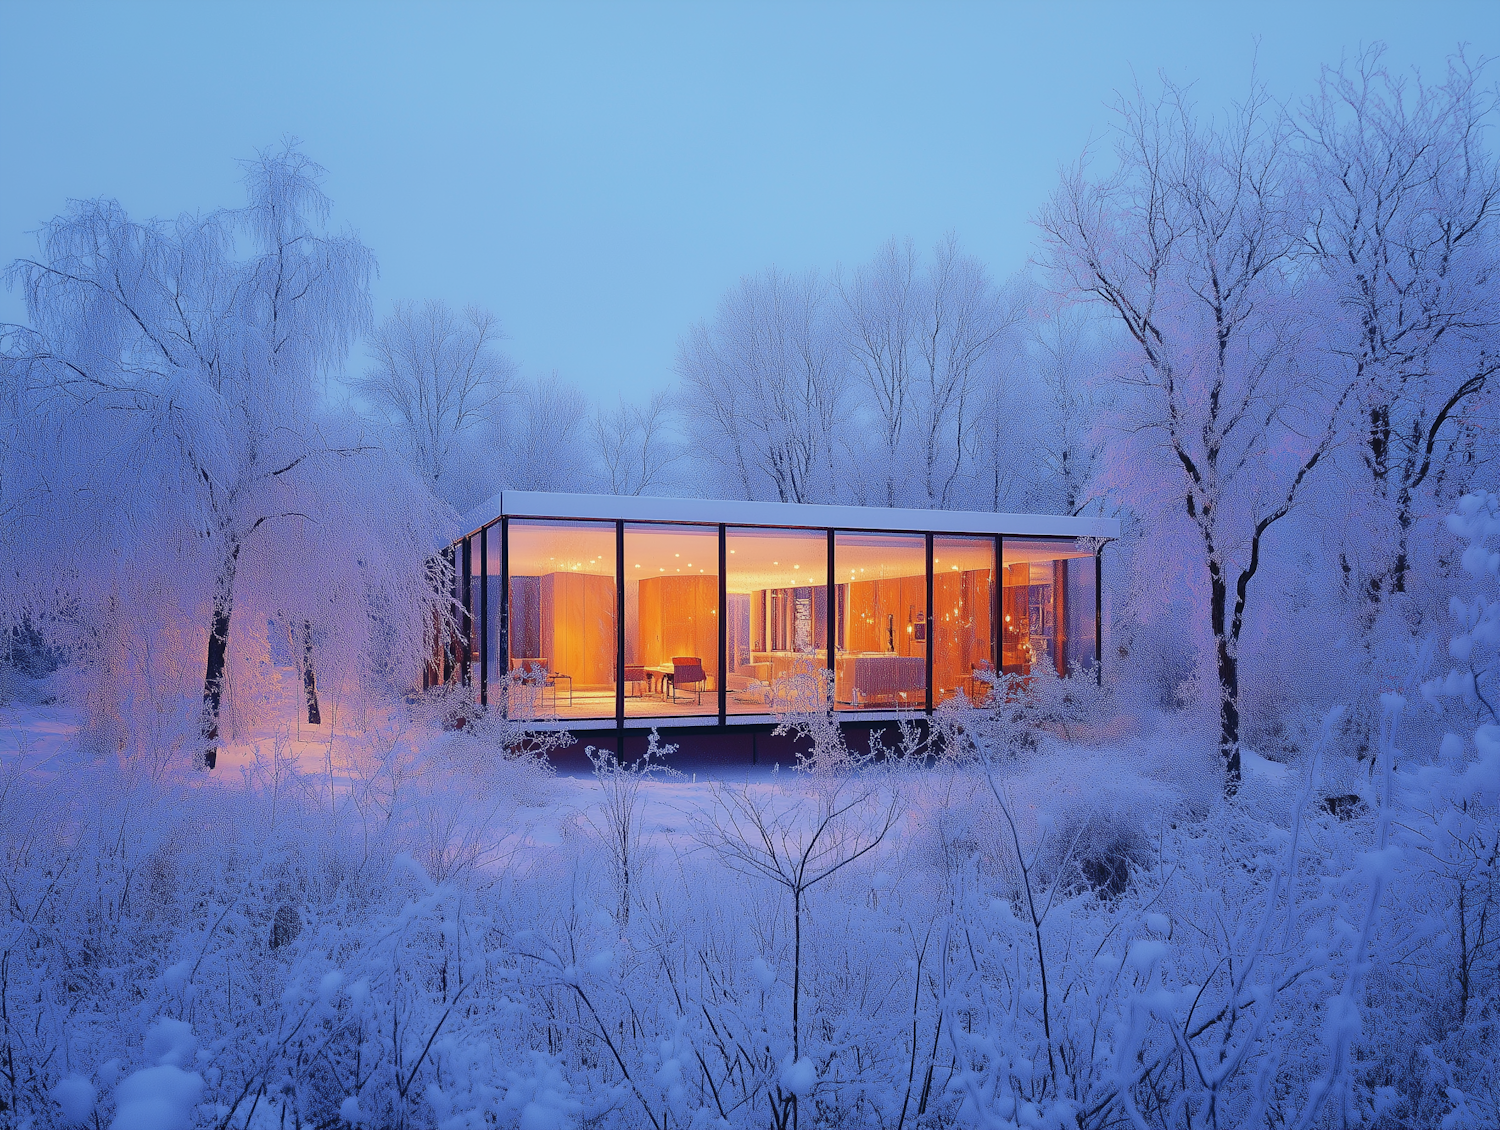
[562, 617]
[495, 665]
[563, 606]
[881, 600]
[671, 620]
[1047, 605]
[963, 601]
[473, 625]
[777, 615]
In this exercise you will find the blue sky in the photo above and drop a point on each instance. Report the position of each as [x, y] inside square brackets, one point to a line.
[598, 175]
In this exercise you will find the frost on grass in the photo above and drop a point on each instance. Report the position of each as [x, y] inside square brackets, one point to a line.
[919, 941]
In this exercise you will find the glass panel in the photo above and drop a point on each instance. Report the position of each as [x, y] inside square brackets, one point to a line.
[881, 659]
[494, 659]
[671, 620]
[1047, 605]
[472, 623]
[963, 645]
[562, 617]
[777, 582]
[448, 646]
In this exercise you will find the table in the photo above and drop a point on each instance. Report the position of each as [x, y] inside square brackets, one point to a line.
[664, 672]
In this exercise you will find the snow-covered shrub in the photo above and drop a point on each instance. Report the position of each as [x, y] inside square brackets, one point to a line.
[410, 947]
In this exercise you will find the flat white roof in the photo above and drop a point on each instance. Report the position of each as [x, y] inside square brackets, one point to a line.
[712, 511]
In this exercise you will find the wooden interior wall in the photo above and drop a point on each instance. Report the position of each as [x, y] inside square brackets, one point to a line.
[578, 627]
[1015, 618]
[870, 603]
[961, 639]
[679, 616]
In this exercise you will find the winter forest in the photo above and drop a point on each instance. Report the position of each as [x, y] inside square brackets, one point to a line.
[1248, 877]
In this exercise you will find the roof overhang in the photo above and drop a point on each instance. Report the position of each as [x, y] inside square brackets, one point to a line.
[711, 511]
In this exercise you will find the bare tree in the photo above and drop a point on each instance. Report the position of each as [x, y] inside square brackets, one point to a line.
[541, 439]
[796, 849]
[635, 450]
[1404, 228]
[1070, 401]
[1189, 244]
[764, 386]
[882, 307]
[920, 339]
[437, 375]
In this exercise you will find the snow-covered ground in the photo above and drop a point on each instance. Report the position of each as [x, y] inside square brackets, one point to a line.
[379, 922]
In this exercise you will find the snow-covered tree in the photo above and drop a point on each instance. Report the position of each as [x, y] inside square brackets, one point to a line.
[919, 337]
[1190, 245]
[179, 465]
[766, 390]
[1405, 199]
[437, 378]
[635, 447]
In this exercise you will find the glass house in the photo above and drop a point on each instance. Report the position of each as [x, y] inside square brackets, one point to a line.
[631, 613]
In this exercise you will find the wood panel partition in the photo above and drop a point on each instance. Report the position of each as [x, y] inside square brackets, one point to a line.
[578, 626]
[679, 616]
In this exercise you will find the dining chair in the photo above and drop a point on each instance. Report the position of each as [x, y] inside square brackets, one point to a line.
[688, 669]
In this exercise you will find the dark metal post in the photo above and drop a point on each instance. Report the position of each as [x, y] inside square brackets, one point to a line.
[503, 634]
[930, 633]
[997, 607]
[723, 626]
[620, 639]
[832, 626]
[1099, 615]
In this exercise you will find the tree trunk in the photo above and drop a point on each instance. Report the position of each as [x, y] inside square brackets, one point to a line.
[309, 680]
[1228, 664]
[1229, 715]
[218, 650]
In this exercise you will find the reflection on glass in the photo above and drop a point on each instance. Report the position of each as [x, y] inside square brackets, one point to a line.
[562, 618]
[1047, 605]
[671, 620]
[472, 622]
[881, 657]
[963, 578]
[777, 631]
[494, 658]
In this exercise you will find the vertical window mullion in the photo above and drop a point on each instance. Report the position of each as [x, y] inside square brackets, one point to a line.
[620, 639]
[997, 606]
[831, 613]
[503, 633]
[484, 616]
[723, 625]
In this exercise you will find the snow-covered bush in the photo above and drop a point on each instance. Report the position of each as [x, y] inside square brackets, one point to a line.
[1060, 935]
